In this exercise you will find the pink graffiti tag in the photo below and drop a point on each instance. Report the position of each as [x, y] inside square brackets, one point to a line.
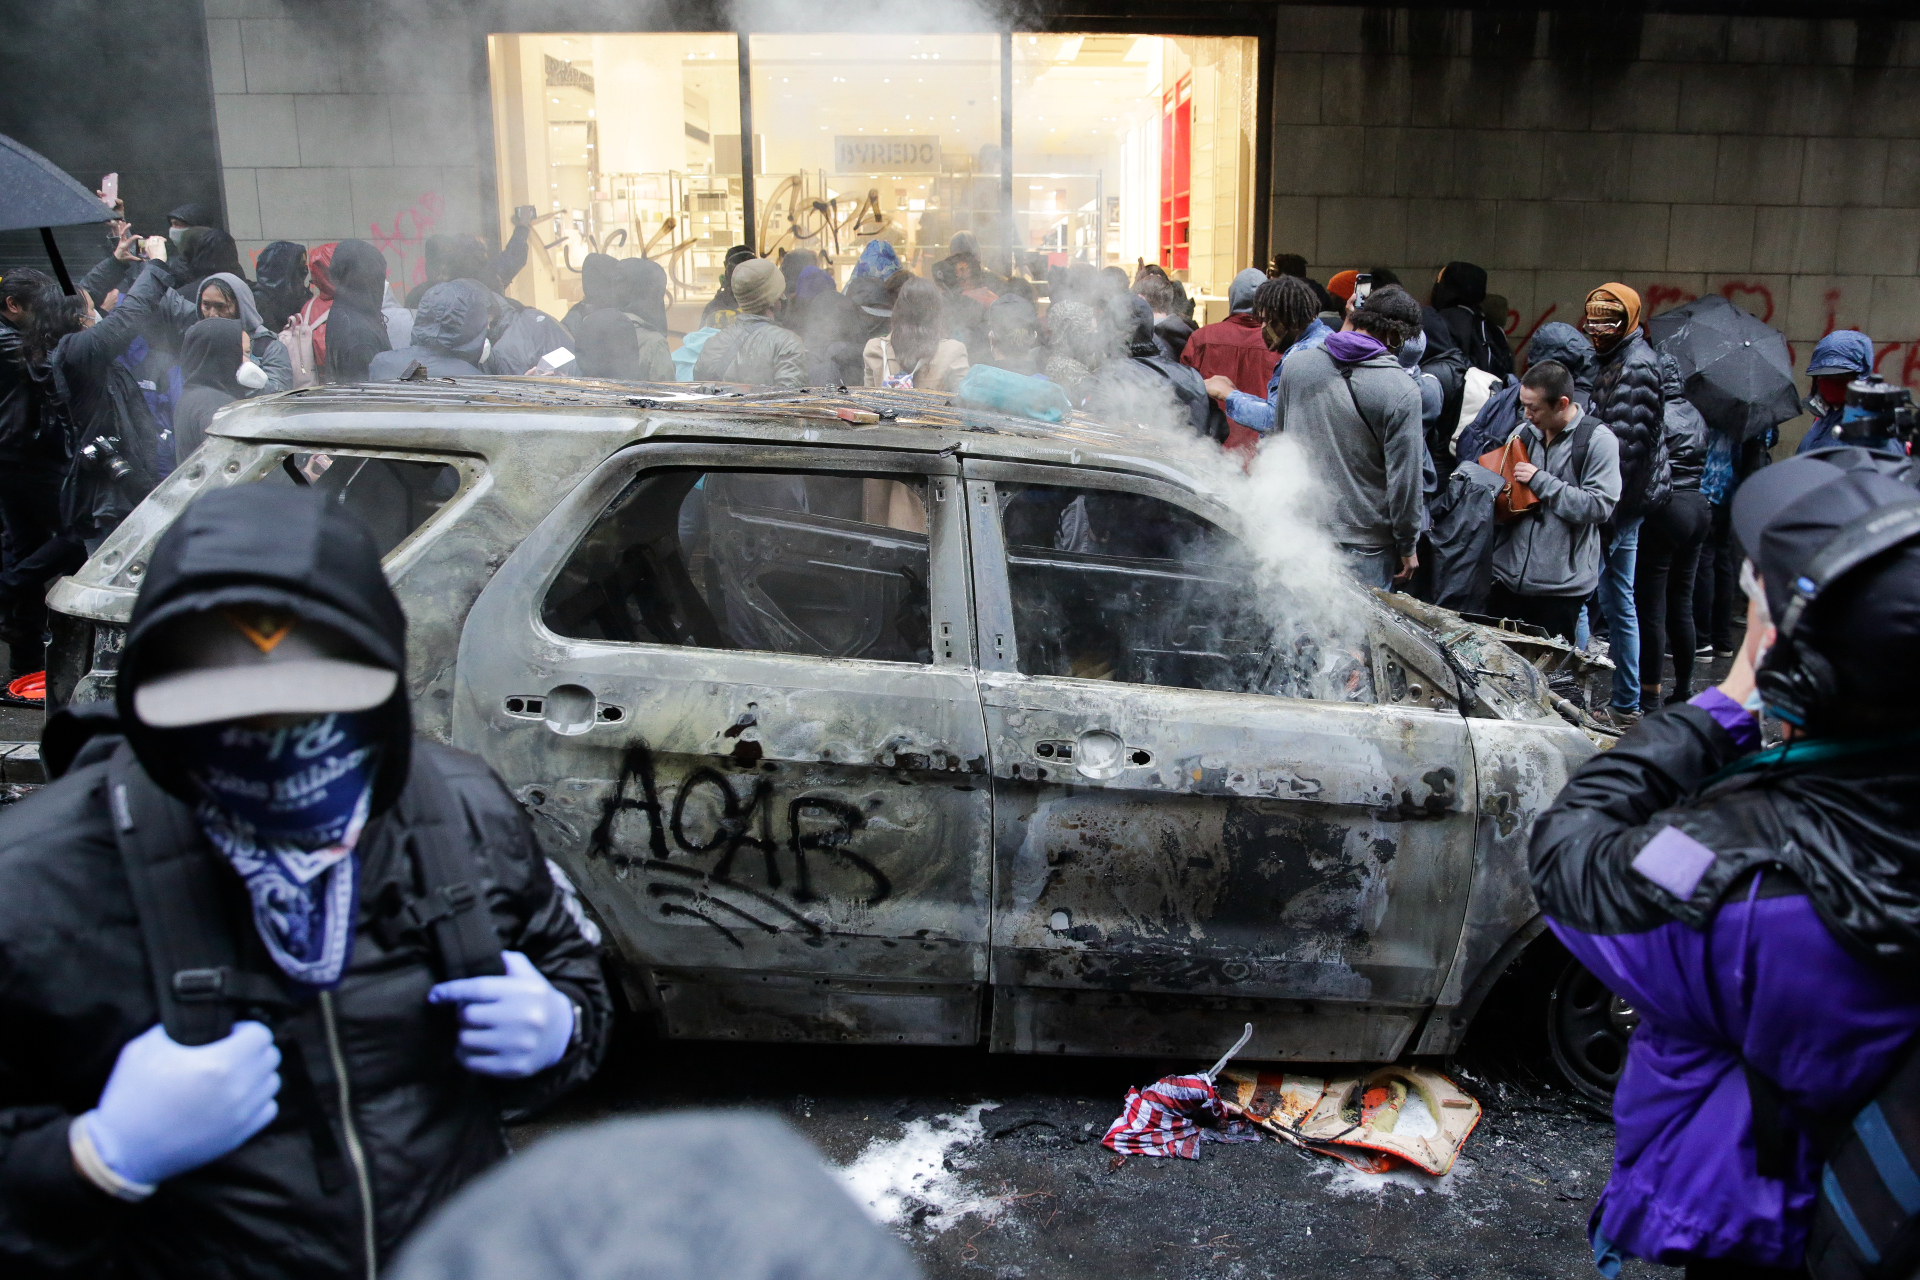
[408, 233]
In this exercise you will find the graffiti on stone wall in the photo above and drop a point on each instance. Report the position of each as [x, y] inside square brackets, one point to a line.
[403, 237]
[1757, 298]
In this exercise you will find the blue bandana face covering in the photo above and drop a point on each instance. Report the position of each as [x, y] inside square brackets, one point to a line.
[285, 807]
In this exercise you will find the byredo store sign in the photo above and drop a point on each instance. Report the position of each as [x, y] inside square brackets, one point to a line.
[892, 152]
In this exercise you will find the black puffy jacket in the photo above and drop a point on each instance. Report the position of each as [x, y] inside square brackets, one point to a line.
[21, 438]
[1627, 397]
[77, 978]
[1686, 430]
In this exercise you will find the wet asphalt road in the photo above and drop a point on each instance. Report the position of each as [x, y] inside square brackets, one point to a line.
[1050, 1201]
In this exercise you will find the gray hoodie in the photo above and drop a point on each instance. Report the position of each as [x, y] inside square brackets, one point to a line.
[1363, 446]
[1554, 550]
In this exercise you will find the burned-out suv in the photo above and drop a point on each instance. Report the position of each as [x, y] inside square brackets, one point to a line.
[860, 717]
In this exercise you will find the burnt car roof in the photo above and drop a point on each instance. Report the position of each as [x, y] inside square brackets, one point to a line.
[628, 412]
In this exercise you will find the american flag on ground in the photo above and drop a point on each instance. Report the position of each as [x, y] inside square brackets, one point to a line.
[1159, 1120]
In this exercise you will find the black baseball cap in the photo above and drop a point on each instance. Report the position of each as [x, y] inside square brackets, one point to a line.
[244, 660]
[1783, 515]
[1866, 623]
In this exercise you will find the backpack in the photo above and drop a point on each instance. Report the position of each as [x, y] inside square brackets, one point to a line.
[297, 338]
[206, 972]
[521, 336]
[1477, 388]
[1866, 1220]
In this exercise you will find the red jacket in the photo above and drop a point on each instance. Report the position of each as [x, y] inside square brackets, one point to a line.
[1235, 349]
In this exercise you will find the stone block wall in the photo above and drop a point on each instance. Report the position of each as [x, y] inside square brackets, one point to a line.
[1774, 161]
[349, 120]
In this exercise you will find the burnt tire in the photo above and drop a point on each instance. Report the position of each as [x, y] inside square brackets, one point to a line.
[1587, 1031]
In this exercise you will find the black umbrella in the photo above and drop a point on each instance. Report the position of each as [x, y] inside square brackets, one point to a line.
[1735, 369]
[34, 192]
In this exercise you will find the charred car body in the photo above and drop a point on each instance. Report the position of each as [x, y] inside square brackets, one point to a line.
[842, 740]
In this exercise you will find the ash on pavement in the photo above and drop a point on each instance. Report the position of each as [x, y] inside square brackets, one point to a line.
[1024, 1188]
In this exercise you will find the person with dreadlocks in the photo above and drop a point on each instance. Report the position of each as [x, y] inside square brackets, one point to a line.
[1288, 311]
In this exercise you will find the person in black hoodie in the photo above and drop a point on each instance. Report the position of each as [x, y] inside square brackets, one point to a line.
[1670, 542]
[32, 454]
[1458, 294]
[628, 340]
[449, 335]
[356, 329]
[1145, 386]
[599, 287]
[112, 438]
[204, 251]
[280, 283]
[268, 1039]
[210, 360]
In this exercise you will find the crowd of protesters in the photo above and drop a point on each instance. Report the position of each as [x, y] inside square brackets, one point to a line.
[101, 393]
[1755, 907]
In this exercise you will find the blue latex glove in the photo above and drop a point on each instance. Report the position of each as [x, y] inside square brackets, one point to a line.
[168, 1107]
[511, 1026]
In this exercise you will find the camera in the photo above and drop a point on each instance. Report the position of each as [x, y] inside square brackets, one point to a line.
[1362, 286]
[1877, 412]
[102, 453]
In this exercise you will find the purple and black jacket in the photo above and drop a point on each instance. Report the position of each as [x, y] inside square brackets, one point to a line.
[1770, 920]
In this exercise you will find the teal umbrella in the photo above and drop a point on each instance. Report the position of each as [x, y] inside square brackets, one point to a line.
[34, 192]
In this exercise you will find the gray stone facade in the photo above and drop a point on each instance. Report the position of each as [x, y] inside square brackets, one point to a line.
[1775, 161]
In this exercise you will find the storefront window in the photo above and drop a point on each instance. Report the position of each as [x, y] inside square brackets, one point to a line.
[1126, 149]
[888, 136]
[623, 144]
[1131, 149]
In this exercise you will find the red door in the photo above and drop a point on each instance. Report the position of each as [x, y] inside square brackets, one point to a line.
[1176, 171]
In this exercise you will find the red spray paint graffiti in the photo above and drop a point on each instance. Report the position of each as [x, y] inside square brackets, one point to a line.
[1661, 296]
[1544, 315]
[406, 236]
[1760, 291]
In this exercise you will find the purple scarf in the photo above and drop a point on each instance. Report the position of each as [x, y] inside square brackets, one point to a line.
[1351, 347]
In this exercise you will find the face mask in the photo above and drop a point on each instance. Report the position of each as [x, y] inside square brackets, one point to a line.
[250, 375]
[1832, 388]
[174, 234]
[486, 349]
[297, 785]
[285, 807]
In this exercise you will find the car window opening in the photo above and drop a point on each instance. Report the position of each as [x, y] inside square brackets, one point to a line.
[1108, 585]
[393, 496]
[825, 565]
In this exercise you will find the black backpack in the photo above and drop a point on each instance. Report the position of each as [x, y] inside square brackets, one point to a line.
[207, 973]
[1866, 1222]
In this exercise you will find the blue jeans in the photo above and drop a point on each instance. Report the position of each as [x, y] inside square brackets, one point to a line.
[1373, 566]
[1623, 624]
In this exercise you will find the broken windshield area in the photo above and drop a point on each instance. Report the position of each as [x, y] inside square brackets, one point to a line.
[1108, 585]
[829, 565]
[393, 496]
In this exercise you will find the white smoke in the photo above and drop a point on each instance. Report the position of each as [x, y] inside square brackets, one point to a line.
[1296, 574]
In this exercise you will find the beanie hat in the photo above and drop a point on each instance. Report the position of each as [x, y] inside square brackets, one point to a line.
[758, 284]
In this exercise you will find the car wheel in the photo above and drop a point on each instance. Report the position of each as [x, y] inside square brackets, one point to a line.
[1587, 1031]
